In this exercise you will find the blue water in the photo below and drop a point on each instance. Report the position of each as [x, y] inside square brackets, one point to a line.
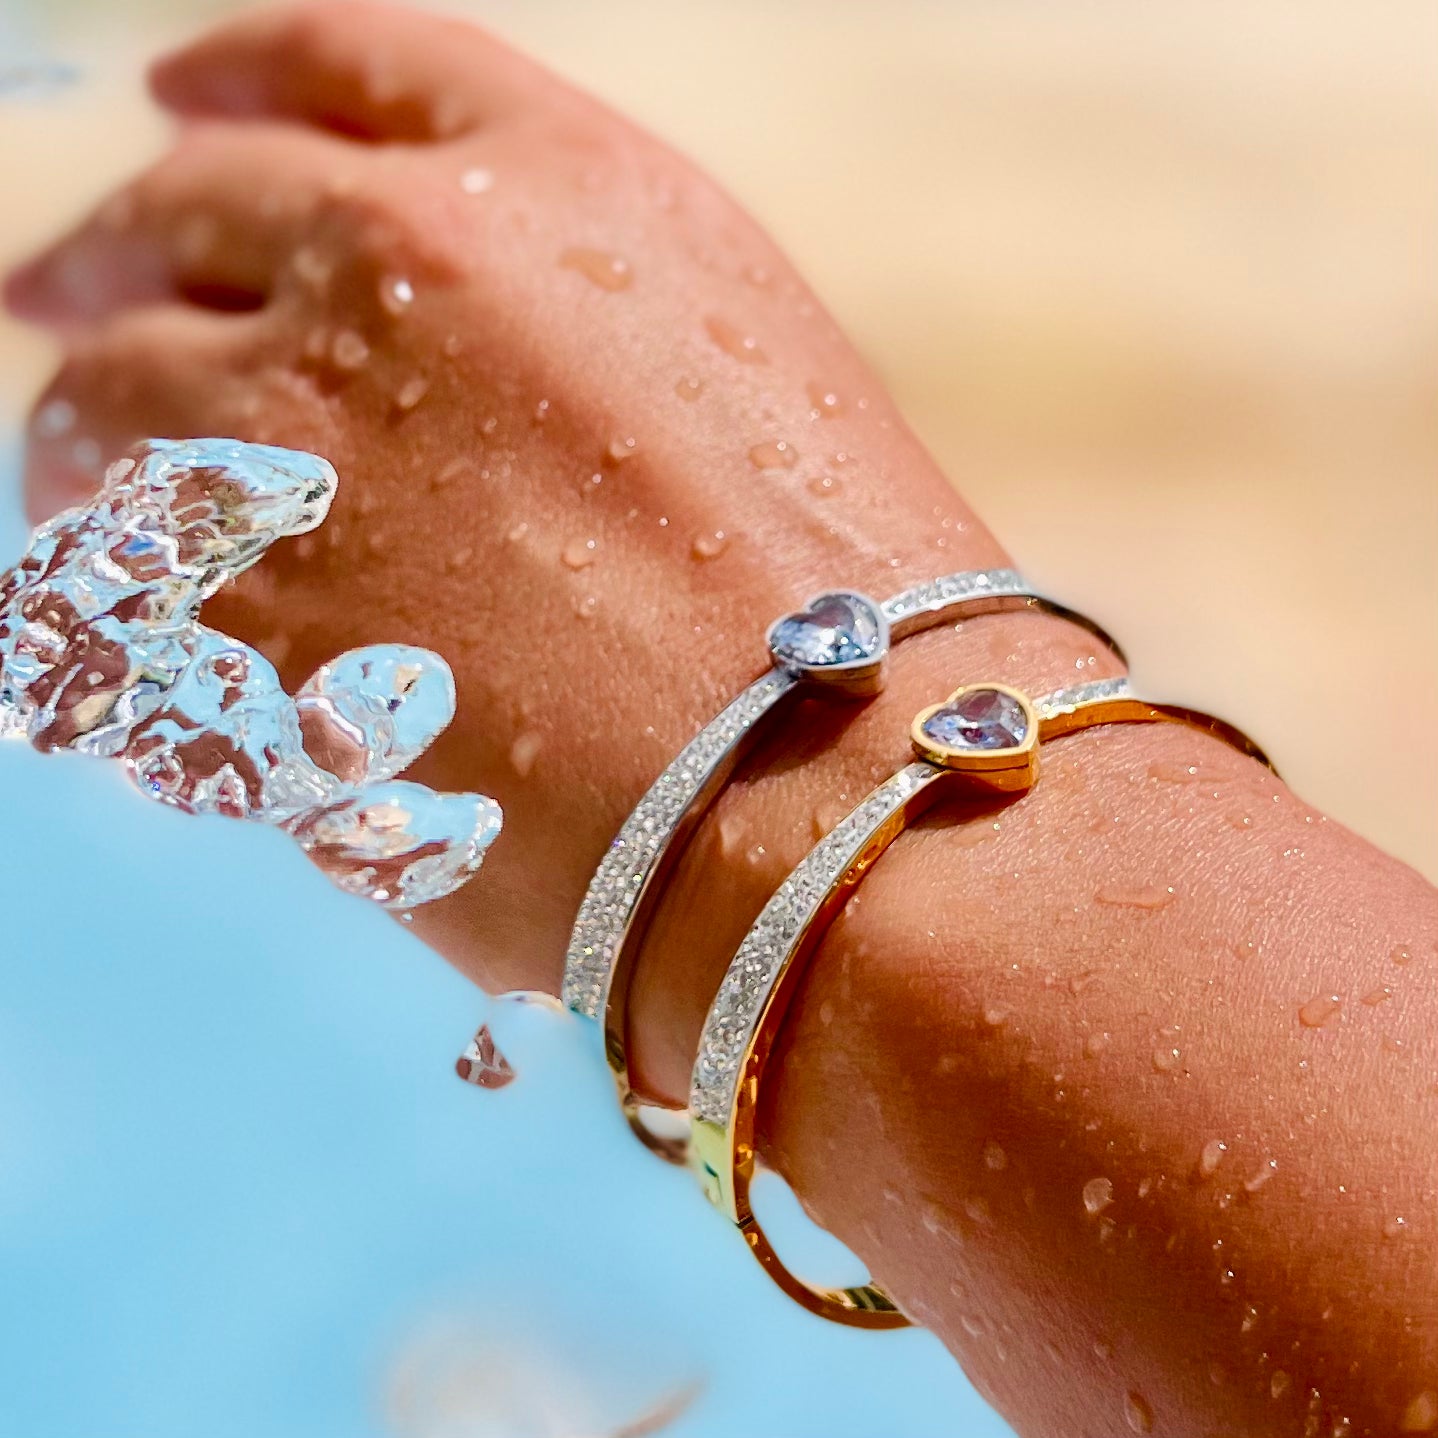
[240, 1184]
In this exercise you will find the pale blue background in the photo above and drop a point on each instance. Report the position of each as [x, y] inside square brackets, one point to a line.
[238, 1175]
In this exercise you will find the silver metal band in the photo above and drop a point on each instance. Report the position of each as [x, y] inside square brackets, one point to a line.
[614, 910]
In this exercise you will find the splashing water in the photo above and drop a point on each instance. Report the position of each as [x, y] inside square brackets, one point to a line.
[102, 652]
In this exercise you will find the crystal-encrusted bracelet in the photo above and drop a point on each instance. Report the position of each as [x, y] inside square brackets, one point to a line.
[838, 644]
[983, 735]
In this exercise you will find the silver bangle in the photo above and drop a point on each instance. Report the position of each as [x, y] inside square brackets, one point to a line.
[837, 645]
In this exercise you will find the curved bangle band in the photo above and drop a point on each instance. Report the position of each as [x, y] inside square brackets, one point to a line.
[838, 645]
[982, 735]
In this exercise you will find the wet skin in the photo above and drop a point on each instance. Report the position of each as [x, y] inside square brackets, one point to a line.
[1068, 1074]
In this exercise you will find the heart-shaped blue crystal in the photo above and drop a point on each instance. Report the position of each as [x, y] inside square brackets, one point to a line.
[979, 719]
[834, 630]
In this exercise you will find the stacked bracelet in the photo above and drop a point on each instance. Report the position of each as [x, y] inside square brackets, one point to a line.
[837, 645]
[983, 735]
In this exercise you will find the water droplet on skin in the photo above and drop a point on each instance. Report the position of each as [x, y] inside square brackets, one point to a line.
[1095, 1044]
[1392, 1045]
[1374, 997]
[1137, 1413]
[995, 1017]
[53, 419]
[620, 448]
[1166, 1060]
[585, 607]
[1395, 1227]
[1250, 1320]
[1217, 1374]
[610, 272]
[1211, 1156]
[994, 1157]
[757, 276]
[348, 350]
[1279, 1383]
[477, 181]
[824, 402]
[689, 389]
[460, 559]
[933, 1218]
[580, 553]
[977, 1210]
[1097, 1195]
[523, 752]
[541, 411]
[1401, 956]
[311, 267]
[86, 454]
[1102, 1350]
[1421, 1414]
[974, 1327]
[452, 346]
[517, 533]
[1142, 896]
[1260, 1176]
[411, 392]
[824, 486]
[734, 342]
[773, 454]
[1167, 772]
[710, 546]
[1320, 1010]
[396, 294]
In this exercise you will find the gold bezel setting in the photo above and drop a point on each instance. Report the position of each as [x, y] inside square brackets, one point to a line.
[1012, 767]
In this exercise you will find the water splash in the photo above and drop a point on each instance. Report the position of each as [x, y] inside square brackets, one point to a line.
[102, 652]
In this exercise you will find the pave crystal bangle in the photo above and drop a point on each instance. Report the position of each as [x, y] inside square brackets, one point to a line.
[837, 645]
[983, 735]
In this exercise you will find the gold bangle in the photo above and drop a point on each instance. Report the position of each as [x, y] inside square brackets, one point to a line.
[983, 734]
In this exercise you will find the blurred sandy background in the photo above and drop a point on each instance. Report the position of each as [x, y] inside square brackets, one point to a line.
[1159, 284]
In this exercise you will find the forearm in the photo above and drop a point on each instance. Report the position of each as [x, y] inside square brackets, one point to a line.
[1026, 987]
[1008, 1075]
[1118, 987]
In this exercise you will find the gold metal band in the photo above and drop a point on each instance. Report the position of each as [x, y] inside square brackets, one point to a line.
[959, 743]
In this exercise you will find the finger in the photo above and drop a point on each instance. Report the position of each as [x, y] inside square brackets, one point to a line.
[370, 72]
[211, 223]
[167, 371]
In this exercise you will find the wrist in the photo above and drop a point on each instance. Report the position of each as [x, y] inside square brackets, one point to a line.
[801, 779]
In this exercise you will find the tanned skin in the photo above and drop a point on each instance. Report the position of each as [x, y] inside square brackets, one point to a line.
[1057, 1073]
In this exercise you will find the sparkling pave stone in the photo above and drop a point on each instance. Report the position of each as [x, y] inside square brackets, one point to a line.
[834, 629]
[1077, 694]
[618, 884]
[979, 719]
[768, 947]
